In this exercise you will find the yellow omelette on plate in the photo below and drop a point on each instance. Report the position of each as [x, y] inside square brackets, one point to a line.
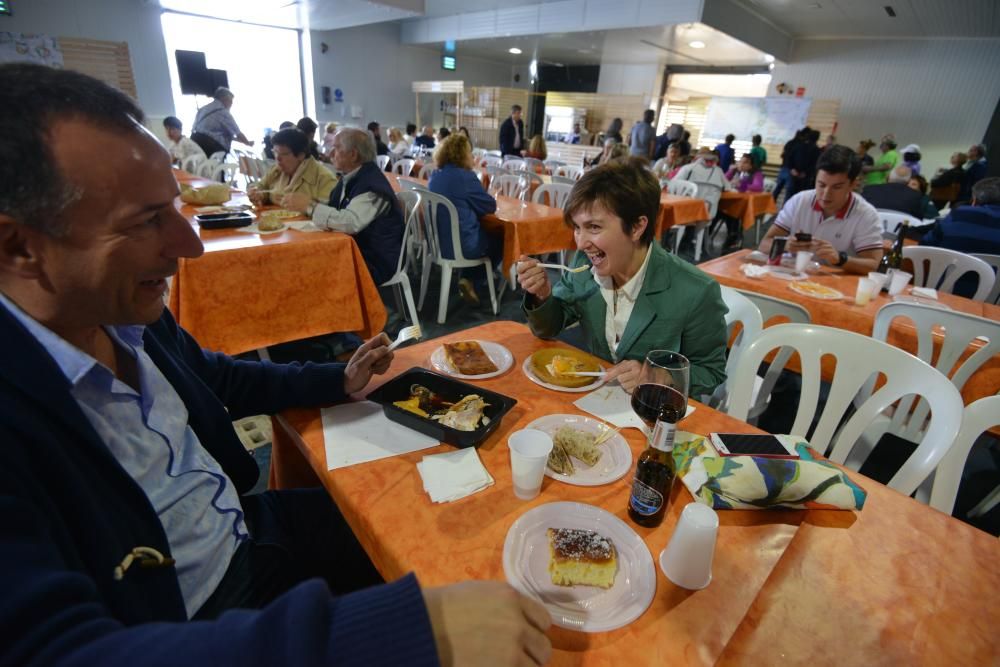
[549, 363]
[815, 290]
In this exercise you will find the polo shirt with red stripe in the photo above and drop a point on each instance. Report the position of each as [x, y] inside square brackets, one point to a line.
[853, 229]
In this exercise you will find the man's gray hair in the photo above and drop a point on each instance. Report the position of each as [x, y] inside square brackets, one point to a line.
[223, 93]
[352, 138]
[900, 174]
[980, 150]
[987, 192]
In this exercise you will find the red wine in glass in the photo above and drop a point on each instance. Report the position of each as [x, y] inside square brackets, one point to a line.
[653, 402]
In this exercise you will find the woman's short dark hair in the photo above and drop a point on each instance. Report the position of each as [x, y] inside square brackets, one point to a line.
[293, 139]
[624, 188]
[921, 181]
[839, 159]
[35, 192]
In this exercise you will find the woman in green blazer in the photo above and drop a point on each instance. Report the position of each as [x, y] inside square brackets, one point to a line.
[636, 296]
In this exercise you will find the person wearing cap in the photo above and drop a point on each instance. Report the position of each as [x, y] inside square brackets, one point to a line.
[844, 229]
[911, 158]
[704, 169]
[180, 147]
[214, 126]
[878, 173]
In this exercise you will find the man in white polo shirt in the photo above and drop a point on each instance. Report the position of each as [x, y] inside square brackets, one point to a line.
[843, 229]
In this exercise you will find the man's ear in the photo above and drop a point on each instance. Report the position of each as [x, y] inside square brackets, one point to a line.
[19, 249]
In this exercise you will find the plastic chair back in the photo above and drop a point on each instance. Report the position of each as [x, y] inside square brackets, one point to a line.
[404, 166]
[491, 161]
[710, 193]
[552, 165]
[426, 171]
[742, 311]
[191, 163]
[534, 165]
[382, 161]
[530, 176]
[513, 164]
[509, 185]
[858, 358]
[978, 416]
[557, 194]
[565, 180]
[682, 188]
[890, 220]
[994, 262]
[569, 171]
[944, 267]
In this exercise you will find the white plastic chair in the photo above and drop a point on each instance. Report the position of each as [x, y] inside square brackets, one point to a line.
[191, 163]
[710, 193]
[742, 311]
[228, 169]
[890, 220]
[552, 165]
[564, 180]
[944, 267]
[534, 165]
[426, 171]
[404, 167]
[207, 168]
[979, 416]
[382, 161]
[994, 262]
[557, 193]
[661, 167]
[513, 164]
[569, 171]
[769, 185]
[682, 188]
[509, 185]
[410, 201]
[858, 358]
[478, 153]
[772, 308]
[436, 208]
[491, 161]
[218, 156]
[530, 176]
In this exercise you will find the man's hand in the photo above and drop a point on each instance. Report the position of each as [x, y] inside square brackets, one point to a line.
[823, 250]
[627, 374]
[296, 201]
[532, 278]
[487, 623]
[372, 358]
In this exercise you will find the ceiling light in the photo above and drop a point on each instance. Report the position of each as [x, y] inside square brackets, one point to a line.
[697, 44]
[516, 51]
[768, 58]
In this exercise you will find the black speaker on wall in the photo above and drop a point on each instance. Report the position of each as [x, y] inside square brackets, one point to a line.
[216, 78]
[193, 73]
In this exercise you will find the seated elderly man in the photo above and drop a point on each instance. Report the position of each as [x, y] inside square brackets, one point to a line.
[362, 204]
[896, 195]
[842, 228]
[129, 536]
[296, 172]
[425, 140]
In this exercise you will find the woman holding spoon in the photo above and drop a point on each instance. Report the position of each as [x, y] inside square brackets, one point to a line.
[636, 297]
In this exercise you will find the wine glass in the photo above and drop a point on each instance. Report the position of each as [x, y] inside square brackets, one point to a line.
[662, 392]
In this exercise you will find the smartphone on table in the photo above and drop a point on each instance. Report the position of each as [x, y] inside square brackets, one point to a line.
[751, 444]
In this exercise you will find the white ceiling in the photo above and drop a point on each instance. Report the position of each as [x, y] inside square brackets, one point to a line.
[868, 18]
[658, 45]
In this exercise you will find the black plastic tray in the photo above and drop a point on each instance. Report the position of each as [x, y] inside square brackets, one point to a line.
[223, 220]
[451, 390]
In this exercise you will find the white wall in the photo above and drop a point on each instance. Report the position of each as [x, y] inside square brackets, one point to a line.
[939, 94]
[132, 21]
[623, 79]
[375, 71]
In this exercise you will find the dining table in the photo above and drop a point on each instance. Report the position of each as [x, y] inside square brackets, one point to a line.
[747, 207]
[250, 290]
[845, 314]
[894, 583]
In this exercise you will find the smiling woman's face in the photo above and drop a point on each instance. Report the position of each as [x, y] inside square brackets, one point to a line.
[599, 233]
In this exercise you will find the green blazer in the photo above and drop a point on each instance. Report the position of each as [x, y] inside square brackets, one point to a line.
[679, 308]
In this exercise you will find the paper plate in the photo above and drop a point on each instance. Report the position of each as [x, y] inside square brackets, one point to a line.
[616, 455]
[583, 608]
[815, 290]
[498, 354]
[596, 381]
[535, 369]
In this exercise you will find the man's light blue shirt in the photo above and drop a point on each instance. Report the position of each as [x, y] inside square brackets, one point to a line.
[148, 433]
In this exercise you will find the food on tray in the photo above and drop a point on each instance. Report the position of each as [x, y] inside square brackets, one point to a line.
[581, 557]
[205, 195]
[561, 365]
[810, 288]
[464, 415]
[578, 444]
[559, 459]
[469, 358]
[281, 214]
[575, 360]
[267, 223]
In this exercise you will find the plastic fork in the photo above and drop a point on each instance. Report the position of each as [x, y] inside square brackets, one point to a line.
[405, 334]
[564, 267]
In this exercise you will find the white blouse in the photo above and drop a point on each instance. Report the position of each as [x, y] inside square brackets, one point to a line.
[620, 303]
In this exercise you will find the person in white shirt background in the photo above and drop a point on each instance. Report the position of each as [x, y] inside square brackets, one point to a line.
[180, 147]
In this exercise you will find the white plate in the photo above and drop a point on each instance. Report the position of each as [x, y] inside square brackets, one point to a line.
[786, 273]
[526, 367]
[583, 608]
[822, 297]
[616, 455]
[498, 354]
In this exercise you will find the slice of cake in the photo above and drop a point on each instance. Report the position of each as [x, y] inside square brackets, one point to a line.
[469, 358]
[581, 557]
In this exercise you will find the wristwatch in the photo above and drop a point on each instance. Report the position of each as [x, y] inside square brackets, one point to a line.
[841, 259]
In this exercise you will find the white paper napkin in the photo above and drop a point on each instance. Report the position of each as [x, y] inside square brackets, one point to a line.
[303, 226]
[613, 405]
[926, 292]
[360, 432]
[453, 475]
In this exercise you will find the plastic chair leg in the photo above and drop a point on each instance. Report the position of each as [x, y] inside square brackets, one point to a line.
[986, 504]
[489, 282]
[425, 277]
[411, 308]
[445, 289]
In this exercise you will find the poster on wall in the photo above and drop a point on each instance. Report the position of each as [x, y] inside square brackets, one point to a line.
[776, 119]
[16, 47]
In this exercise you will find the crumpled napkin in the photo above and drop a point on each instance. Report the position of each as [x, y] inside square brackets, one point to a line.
[453, 475]
[755, 482]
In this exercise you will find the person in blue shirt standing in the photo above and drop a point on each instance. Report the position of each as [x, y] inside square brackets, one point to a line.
[725, 151]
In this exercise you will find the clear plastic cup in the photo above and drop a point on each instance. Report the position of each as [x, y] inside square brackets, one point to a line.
[897, 281]
[687, 560]
[802, 259]
[880, 279]
[529, 453]
[866, 290]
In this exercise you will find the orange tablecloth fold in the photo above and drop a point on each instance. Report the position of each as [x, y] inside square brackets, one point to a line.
[747, 206]
[676, 210]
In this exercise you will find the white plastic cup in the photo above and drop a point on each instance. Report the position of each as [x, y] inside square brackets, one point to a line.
[687, 560]
[866, 290]
[897, 281]
[802, 259]
[529, 453]
[880, 279]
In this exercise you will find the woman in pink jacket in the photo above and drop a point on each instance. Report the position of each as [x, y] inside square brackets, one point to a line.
[746, 176]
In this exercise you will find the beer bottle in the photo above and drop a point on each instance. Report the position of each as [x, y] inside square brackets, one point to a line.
[655, 470]
[894, 258]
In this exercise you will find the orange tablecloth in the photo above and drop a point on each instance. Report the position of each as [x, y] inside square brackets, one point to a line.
[860, 319]
[249, 291]
[676, 210]
[853, 587]
[747, 206]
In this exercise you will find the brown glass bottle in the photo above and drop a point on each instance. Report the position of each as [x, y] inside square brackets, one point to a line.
[894, 258]
[655, 470]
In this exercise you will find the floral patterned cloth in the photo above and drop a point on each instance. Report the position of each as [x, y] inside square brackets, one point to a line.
[754, 482]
